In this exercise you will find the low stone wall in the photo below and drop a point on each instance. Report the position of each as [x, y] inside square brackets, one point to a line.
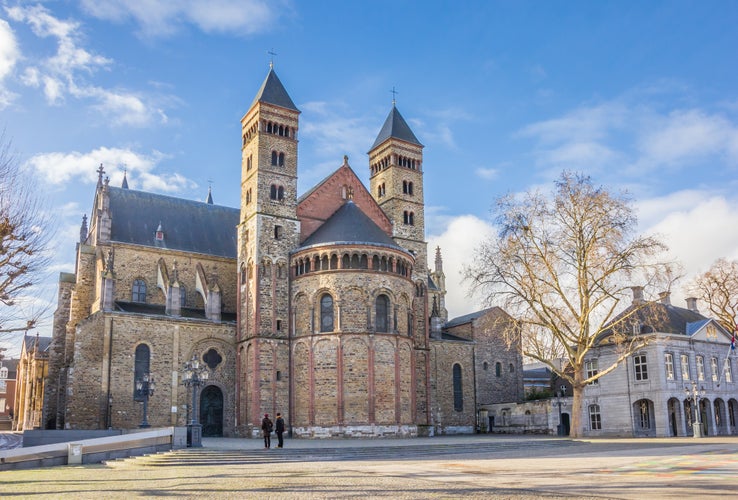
[356, 431]
[42, 437]
[531, 417]
[96, 450]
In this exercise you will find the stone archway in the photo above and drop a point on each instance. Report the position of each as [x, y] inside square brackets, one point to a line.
[211, 411]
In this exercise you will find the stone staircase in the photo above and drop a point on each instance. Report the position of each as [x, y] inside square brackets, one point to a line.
[193, 457]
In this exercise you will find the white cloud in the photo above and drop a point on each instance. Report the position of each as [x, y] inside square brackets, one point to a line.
[458, 241]
[9, 54]
[66, 72]
[59, 168]
[487, 174]
[164, 17]
[685, 135]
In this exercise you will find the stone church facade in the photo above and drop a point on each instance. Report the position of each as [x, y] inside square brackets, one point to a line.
[321, 307]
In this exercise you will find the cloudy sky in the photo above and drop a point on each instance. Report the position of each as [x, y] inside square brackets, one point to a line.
[642, 96]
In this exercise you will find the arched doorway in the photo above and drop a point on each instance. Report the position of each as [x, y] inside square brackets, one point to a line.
[211, 411]
[565, 424]
[644, 424]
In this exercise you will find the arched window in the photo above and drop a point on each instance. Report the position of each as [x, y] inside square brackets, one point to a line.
[182, 296]
[140, 367]
[458, 389]
[382, 313]
[280, 193]
[511, 368]
[138, 293]
[498, 369]
[281, 159]
[485, 366]
[273, 192]
[410, 188]
[326, 313]
[275, 158]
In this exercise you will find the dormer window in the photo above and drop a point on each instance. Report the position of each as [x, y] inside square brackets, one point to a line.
[159, 235]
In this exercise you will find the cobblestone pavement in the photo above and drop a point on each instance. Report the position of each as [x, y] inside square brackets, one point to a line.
[454, 467]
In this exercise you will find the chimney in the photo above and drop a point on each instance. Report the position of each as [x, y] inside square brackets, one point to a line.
[692, 304]
[637, 294]
[665, 298]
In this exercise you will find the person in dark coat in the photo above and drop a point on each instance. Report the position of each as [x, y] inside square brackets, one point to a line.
[279, 428]
[266, 429]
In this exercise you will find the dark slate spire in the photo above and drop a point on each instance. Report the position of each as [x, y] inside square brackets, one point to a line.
[395, 126]
[83, 229]
[272, 92]
[209, 201]
[124, 185]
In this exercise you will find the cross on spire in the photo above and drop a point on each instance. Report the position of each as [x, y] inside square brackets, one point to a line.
[394, 96]
[271, 59]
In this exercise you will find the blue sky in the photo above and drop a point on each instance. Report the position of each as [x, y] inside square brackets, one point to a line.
[642, 96]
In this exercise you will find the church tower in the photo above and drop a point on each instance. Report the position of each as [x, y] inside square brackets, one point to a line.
[396, 182]
[268, 231]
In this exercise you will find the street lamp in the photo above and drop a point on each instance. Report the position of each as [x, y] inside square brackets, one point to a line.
[561, 393]
[696, 395]
[194, 375]
[144, 389]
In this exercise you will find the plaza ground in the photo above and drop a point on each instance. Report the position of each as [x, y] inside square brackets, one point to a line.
[480, 466]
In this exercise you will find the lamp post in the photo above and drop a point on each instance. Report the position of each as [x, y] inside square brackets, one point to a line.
[560, 394]
[144, 389]
[194, 375]
[695, 394]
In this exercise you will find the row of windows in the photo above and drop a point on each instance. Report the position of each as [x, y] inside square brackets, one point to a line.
[498, 368]
[269, 128]
[277, 160]
[381, 315]
[277, 129]
[355, 261]
[700, 366]
[386, 161]
[407, 188]
[640, 366]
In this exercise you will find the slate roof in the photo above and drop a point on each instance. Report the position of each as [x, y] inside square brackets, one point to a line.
[467, 318]
[190, 226]
[662, 318]
[349, 225]
[159, 310]
[395, 126]
[43, 342]
[273, 92]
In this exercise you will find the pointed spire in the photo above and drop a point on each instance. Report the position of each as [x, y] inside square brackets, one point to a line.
[273, 92]
[209, 201]
[396, 127]
[83, 229]
[124, 185]
[439, 260]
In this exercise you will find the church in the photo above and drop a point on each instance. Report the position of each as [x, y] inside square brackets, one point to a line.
[322, 307]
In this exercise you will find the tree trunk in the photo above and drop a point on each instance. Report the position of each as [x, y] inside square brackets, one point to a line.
[576, 405]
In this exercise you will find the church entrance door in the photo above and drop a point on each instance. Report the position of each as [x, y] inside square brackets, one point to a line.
[211, 411]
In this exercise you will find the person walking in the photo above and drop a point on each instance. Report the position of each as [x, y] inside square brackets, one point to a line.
[266, 429]
[279, 428]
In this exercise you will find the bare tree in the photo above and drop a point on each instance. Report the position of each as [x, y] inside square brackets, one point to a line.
[563, 265]
[718, 288]
[24, 235]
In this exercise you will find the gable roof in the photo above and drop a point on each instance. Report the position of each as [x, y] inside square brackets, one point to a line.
[396, 127]
[652, 317]
[189, 226]
[349, 225]
[273, 92]
[468, 318]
